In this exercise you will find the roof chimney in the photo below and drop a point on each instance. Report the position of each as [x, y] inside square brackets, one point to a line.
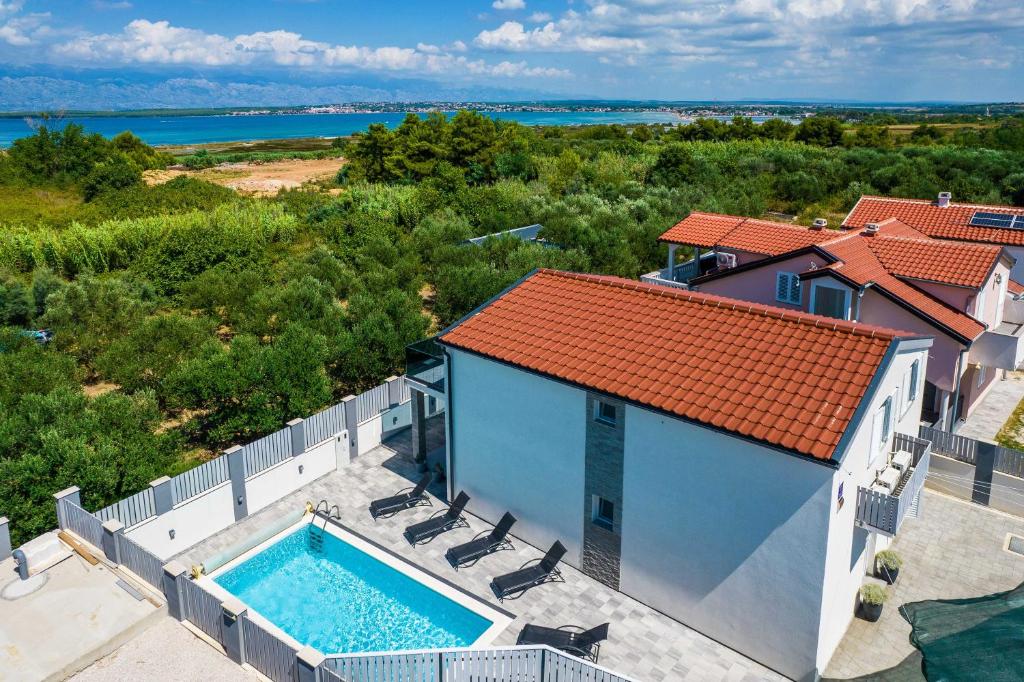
[871, 229]
[819, 224]
[944, 198]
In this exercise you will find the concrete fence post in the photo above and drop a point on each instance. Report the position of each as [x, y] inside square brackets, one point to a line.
[236, 470]
[173, 572]
[351, 423]
[232, 612]
[113, 530]
[419, 428]
[394, 385]
[73, 495]
[5, 538]
[307, 664]
[163, 499]
[297, 428]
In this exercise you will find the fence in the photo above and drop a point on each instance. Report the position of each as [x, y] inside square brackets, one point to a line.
[1007, 460]
[140, 561]
[198, 480]
[267, 451]
[515, 664]
[325, 424]
[82, 523]
[200, 608]
[267, 653]
[130, 511]
[371, 403]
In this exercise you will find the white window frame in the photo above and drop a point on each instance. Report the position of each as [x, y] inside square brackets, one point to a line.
[599, 519]
[847, 296]
[886, 414]
[789, 277]
[982, 375]
[979, 304]
[911, 381]
[600, 418]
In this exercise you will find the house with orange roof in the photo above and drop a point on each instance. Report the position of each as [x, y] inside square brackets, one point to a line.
[731, 464]
[944, 218]
[889, 273]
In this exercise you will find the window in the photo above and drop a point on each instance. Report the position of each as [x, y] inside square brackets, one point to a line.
[910, 382]
[787, 288]
[604, 513]
[982, 375]
[881, 428]
[605, 413]
[830, 301]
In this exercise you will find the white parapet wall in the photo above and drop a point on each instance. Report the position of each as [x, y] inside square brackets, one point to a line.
[192, 521]
[282, 479]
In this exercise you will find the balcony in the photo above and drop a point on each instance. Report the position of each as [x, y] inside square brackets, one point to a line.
[1000, 347]
[682, 273]
[883, 511]
[425, 367]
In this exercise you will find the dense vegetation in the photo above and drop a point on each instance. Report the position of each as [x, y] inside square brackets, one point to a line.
[186, 318]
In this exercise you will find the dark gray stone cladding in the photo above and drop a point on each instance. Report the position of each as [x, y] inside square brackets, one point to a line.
[602, 548]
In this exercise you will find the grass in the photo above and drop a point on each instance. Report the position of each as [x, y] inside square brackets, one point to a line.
[1012, 433]
[299, 144]
[32, 205]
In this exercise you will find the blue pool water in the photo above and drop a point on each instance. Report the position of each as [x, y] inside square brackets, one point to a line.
[342, 600]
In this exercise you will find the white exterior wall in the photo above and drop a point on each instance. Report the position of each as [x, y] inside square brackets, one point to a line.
[192, 521]
[284, 478]
[518, 446]
[726, 536]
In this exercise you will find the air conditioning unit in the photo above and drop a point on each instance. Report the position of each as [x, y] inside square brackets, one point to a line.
[889, 478]
[902, 460]
[725, 260]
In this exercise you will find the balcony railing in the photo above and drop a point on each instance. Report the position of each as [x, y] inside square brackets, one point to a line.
[424, 365]
[883, 512]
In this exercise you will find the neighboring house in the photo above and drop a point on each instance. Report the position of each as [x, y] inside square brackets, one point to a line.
[889, 274]
[712, 458]
[945, 219]
[530, 234]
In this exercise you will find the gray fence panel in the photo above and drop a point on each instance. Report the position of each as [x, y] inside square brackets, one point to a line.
[83, 524]
[130, 511]
[328, 675]
[404, 394]
[266, 452]
[201, 608]
[1009, 461]
[267, 653]
[561, 668]
[371, 403]
[950, 444]
[199, 479]
[522, 665]
[324, 425]
[141, 561]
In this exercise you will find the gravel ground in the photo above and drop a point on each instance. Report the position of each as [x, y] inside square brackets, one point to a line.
[167, 652]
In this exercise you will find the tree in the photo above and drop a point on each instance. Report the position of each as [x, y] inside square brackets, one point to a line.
[925, 134]
[380, 326]
[372, 155]
[117, 172]
[822, 131]
[249, 389]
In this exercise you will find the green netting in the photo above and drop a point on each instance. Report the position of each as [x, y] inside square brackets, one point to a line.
[981, 638]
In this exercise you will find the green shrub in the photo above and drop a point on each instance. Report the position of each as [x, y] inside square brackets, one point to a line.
[874, 595]
[889, 559]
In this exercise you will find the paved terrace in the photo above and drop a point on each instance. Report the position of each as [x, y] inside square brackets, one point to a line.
[643, 643]
[954, 550]
[995, 408]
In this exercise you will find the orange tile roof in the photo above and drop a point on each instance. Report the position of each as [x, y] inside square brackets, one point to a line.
[860, 264]
[960, 264]
[743, 234]
[1015, 287]
[787, 379]
[951, 222]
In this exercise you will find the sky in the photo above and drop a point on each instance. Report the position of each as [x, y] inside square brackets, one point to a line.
[117, 54]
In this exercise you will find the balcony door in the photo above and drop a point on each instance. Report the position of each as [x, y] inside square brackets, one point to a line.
[830, 301]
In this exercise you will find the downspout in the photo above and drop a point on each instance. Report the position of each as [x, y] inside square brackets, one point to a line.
[449, 416]
[956, 390]
[860, 295]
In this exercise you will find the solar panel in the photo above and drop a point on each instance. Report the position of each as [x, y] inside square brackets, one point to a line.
[1007, 221]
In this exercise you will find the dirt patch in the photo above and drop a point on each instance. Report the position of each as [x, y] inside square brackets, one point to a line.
[98, 389]
[258, 179]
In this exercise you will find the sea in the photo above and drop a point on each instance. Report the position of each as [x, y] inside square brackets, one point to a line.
[187, 130]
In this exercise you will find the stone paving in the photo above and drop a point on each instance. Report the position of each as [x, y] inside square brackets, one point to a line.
[995, 408]
[954, 550]
[643, 643]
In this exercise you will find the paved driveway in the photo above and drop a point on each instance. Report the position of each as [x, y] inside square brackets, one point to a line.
[955, 549]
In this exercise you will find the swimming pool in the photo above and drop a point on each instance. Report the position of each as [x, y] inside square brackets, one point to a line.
[327, 593]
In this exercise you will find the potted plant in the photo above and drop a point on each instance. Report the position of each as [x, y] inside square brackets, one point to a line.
[887, 565]
[872, 597]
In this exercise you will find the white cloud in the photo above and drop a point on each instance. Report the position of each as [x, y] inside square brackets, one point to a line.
[539, 18]
[21, 31]
[509, 4]
[159, 42]
[513, 36]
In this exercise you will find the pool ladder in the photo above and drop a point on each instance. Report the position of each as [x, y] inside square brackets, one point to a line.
[316, 537]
